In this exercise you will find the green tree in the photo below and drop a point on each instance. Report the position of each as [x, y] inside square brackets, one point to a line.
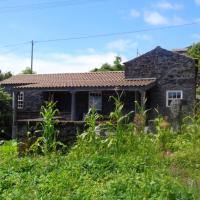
[4, 76]
[28, 70]
[116, 66]
[194, 51]
[5, 114]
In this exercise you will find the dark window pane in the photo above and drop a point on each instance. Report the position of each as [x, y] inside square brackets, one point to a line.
[178, 95]
[170, 95]
[174, 95]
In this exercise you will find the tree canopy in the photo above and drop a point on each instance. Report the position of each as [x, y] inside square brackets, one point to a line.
[116, 66]
[5, 75]
[28, 70]
[194, 51]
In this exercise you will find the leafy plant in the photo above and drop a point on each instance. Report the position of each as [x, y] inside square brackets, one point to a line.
[47, 142]
[140, 117]
[194, 51]
[5, 114]
[164, 132]
[91, 118]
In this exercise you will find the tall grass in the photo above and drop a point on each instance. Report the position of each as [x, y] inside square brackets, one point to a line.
[115, 159]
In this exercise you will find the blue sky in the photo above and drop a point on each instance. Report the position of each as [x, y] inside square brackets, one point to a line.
[23, 21]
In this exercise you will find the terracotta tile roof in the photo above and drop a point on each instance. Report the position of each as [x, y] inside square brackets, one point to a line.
[71, 80]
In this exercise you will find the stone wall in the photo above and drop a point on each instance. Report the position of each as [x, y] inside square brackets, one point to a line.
[8, 89]
[67, 133]
[172, 71]
[33, 100]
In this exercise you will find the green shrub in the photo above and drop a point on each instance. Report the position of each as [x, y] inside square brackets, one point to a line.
[5, 114]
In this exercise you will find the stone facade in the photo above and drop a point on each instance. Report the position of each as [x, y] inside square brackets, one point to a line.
[33, 100]
[172, 72]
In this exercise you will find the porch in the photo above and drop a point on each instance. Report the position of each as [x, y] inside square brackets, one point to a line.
[74, 105]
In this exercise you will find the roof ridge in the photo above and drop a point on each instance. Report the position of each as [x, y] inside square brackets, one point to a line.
[99, 72]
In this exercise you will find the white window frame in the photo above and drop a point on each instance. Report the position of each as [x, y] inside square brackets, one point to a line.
[91, 100]
[20, 100]
[172, 98]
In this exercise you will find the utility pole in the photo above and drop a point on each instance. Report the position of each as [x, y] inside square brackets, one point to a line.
[32, 45]
[137, 53]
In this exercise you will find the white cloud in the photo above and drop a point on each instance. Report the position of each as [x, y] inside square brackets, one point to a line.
[166, 5]
[155, 18]
[144, 37]
[121, 45]
[197, 2]
[56, 63]
[134, 13]
[196, 36]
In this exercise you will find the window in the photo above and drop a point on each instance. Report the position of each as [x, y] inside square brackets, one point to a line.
[20, 100]
[95, 100]
[173, 95]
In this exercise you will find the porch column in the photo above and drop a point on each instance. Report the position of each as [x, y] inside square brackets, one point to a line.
[143, 97]
[73, 106]
[14, 127]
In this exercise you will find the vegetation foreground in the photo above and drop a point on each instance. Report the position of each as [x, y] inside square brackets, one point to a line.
[126, 164]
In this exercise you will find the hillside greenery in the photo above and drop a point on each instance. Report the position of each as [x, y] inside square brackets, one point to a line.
[5, 75]
[128, 163]
[116, 66]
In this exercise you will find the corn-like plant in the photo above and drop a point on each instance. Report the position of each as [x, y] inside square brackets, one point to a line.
[163, 132]
[107, 134]
[91, 122]
[140, 117]
[47, 142]
[117, 125]
[89, 139]
[191, 125]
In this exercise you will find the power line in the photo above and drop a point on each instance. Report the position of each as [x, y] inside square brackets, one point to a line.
[15, 45]
[116, 33]
[102, 35]
[11, 50]
[47, 4]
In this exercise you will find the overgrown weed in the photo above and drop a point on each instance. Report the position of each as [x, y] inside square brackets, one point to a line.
[117, 160]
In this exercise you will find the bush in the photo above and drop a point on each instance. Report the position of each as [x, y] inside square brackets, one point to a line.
[5, 114]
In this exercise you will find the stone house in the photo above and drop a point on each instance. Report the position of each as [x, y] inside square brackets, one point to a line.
[160, 76]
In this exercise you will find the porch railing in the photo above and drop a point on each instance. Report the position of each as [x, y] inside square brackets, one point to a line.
[21, 115]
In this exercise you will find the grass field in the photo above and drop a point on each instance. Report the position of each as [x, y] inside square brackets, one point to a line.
[127, 164]
[138, 170]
